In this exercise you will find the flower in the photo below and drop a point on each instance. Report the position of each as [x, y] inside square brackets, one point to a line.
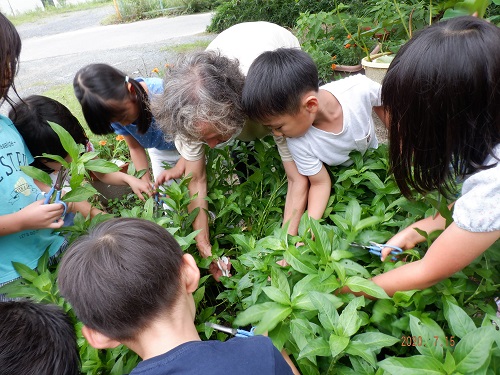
[113, 147]
[348, 45]
[155, 70]
[334, 66]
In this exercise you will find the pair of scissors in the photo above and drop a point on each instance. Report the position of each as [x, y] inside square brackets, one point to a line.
[376, 248]
[54, 194]
[232, 331]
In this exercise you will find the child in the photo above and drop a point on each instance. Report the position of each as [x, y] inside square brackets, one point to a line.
[322, 125]
[26, 224]
[150, 307]
[449, 116]
[114, 102]
[31, 117]
[37, 339]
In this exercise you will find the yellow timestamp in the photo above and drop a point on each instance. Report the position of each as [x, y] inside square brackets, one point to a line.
[418, 341]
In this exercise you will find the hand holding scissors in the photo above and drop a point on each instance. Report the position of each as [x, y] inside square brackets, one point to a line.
[54, 194]
[376, 248]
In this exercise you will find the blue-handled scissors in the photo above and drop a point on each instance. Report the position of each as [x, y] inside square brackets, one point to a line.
[376, 248]
[54, 194]
[232, 331]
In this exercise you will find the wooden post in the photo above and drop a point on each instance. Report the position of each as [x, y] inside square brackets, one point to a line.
[118, 14]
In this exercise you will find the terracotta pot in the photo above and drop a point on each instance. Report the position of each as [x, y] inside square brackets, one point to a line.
[110, 191]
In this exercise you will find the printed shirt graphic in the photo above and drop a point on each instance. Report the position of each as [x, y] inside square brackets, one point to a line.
[154, 137]
[18, 191]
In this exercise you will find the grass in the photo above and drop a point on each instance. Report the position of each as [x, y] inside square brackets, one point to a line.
[187, 47]
[65, 95]
[36, 15]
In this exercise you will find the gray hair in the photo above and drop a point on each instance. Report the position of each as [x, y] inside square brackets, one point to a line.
[202, 87]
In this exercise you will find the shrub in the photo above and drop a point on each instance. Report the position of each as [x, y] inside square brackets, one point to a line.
[281, 12]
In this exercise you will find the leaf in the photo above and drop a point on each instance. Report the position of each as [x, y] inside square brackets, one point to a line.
[361, 350]
[280, 335]
[254, 313]
[80, 194]
[24, 271]
[277, 295]
[67, 140]
[427, 329]
[37, 174]
[102, 166]
[272, 318]
[473, 350]
[374, 179]
[297, 261]
[376, 340]
[329, 316]
[337, 344]
[349, 320]
[316, 347]
[280, 281]
[358, 284]
[460, 323]
[416, 365]
[353, 213]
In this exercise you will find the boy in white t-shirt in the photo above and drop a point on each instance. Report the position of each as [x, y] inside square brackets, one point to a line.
[322, 125]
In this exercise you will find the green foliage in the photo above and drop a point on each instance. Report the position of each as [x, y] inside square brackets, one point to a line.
[444, 329]
[80, 163]
[281, 12]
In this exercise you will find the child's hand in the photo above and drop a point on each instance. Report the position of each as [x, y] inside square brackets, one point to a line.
[38, 215]
[170, 174]
[404, 240]
[140, 186]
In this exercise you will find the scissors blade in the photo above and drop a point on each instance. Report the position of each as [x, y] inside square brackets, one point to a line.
[231, 331]
[61, 176]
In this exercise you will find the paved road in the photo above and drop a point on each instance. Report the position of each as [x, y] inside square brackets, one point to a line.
[54, 49]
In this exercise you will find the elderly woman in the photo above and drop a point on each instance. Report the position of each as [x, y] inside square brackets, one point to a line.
[201, 104]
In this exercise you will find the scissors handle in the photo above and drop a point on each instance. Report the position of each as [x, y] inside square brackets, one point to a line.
[376, 249]
[48, 196]
[57, 199]
[243, 333]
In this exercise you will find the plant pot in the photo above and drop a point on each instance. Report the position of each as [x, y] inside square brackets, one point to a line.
[375, 70]
[110, 191]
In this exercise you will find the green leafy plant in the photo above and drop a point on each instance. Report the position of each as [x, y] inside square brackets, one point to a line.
[298, 304]
[80, 162]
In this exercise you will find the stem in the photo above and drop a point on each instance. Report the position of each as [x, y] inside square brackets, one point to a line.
[402, 19]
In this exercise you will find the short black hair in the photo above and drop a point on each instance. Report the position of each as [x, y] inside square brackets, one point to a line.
[275, 82]
[95, 85]
[442, 93]
[37, 339]
[122, 275]
[31, 117]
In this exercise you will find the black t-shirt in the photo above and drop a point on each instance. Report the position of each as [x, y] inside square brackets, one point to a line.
[242, 356]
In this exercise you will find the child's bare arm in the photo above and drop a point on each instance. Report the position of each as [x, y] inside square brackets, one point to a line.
[34, 216]
[290, 363]
[453, 250]
[382, 114]
[138, 185]
[296, 197]
[319, 193]
[138, 156]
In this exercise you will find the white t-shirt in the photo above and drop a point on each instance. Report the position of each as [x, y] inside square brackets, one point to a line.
[478, 208]
[356, 95]
[245, 42]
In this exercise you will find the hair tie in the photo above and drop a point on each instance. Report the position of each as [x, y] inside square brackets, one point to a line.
[126, 79]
